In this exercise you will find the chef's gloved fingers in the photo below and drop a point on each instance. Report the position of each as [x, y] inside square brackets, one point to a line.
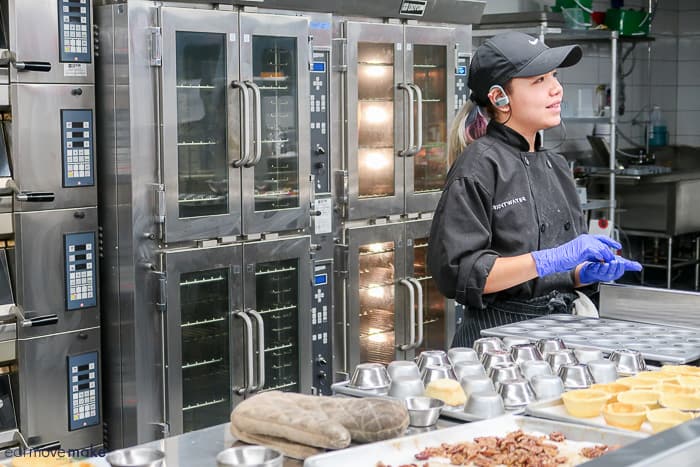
[594, 248]
[629, 264]
[592, 272]
[609, 241]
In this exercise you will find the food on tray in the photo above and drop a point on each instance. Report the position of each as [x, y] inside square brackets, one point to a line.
[611, 388]
[515, 448]
[447, 390]
[645, 397]
[585, 403]
[686, 370]
[679, 398]
[655, 376]
[689, 381]
[41, 459]
[628, 416]
[637, 382]
[663, 419]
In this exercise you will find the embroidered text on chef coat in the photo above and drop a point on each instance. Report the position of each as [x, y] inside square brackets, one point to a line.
[510, 202]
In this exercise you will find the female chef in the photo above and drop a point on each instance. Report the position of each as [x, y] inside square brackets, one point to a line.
[508, 238]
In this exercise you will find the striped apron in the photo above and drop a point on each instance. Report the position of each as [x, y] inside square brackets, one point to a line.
[504, 312]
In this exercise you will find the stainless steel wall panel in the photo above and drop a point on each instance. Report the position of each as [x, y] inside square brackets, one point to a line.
[40, 281]
[44, 384]
[34, 36]
[37, 157]
[134, 398]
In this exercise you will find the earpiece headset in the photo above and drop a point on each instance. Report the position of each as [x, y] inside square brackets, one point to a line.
[500, 101]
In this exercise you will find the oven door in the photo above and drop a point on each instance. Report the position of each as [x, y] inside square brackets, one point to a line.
[57, 47]
[435, 313]
[278, 299]
[53, 146]
[203, 297]
[375, 101]
[200, 145]
[430, 63]
[275, 69]
[376, 295]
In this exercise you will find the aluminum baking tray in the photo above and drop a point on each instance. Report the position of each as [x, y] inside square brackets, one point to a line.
[553, 409]
[456, 413]
[402, 450]
[665, 344]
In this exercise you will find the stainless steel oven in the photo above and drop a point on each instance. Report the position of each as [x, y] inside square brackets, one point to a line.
[397, 99]
[50, 41]
[239, 325]
[391, 307]
[53, 146]
[235, 139]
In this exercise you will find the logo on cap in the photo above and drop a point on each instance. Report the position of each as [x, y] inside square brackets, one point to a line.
[533, 41]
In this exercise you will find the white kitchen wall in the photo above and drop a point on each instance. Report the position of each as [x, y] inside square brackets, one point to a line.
[688, 56]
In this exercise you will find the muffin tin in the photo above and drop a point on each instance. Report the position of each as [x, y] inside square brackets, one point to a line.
[655, 342]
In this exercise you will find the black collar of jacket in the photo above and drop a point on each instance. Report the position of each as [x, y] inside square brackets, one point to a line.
[511, 137]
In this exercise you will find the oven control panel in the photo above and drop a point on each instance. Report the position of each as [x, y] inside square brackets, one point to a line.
[461, 73]
[321, 322]
[83, 391]
[78, 148]
[81, 270]
[74, 31]
[320, 124]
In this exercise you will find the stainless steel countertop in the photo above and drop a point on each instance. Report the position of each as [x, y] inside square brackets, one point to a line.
[199, 448]
[679, 447]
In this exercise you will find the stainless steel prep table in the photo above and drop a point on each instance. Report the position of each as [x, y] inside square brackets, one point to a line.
[679, 447]
[199, 448]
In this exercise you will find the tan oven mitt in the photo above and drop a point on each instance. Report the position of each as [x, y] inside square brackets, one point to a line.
[289, 449]
[291, 419]
[288, 417]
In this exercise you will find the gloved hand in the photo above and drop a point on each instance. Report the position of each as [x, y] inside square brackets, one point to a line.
[585, 247]
[605, 272]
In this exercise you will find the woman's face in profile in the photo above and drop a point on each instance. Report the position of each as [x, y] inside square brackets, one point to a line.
[535, 102]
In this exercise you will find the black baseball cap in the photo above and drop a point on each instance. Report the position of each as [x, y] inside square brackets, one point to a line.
[513, 55]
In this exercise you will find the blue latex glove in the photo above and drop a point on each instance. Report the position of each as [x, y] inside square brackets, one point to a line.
[606, 272]
[594, 248]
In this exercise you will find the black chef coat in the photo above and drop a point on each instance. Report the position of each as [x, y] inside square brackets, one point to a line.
[502, 200]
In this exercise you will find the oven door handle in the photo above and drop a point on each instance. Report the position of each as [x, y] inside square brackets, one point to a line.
[257, 142]
[419, 131]
[249, 353]
[245, 140]
[411, 124]
[421, 320]
[261, 351]
[32, 321]
[412, 315]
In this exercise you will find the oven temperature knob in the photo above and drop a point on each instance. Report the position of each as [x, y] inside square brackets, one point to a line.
[322, 375]
[319, 150]
[321, 361]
